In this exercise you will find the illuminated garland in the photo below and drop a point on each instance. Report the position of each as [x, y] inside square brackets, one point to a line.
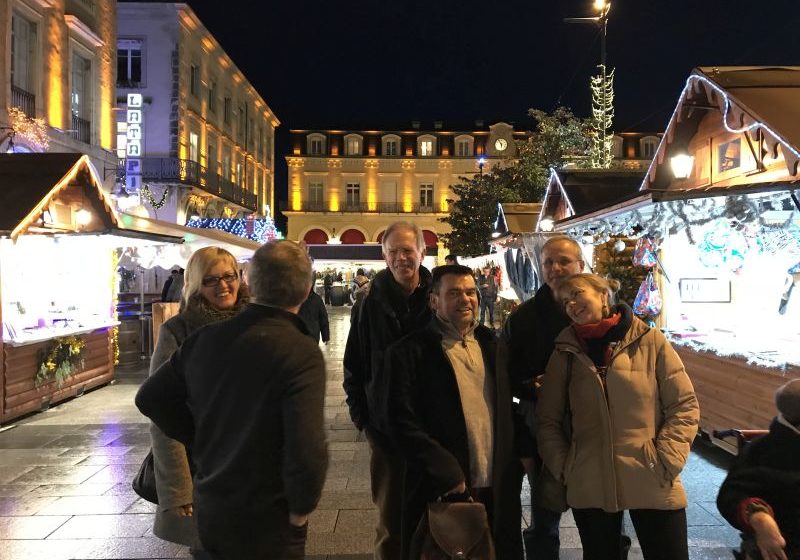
[263, 228]
[114, 302]
[602, 87]
[63, 356]
[34, 131]
[197, 201]
[665, 218]
[148, 195]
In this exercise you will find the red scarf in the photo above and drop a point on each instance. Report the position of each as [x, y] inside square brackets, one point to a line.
[599, 329]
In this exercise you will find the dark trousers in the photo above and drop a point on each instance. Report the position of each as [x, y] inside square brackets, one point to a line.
[662, 533]
[233, 535]
[386, 468]
[541, 539]
[487, 303]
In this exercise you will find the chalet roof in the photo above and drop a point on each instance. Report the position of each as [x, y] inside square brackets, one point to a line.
[30, 182]
[586, 190]
[756, 99]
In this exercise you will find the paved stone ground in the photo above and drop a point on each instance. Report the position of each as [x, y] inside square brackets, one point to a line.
[65, 483]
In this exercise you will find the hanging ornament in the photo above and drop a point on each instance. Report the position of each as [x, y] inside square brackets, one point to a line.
[619, 246]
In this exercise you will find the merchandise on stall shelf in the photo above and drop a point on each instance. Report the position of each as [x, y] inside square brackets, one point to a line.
[722, 246]
[644, 254]
[648, 299]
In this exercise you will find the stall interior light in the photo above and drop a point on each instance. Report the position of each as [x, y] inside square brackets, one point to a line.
[83, 217]
[682, 165]
[546, 224]
[47, 216]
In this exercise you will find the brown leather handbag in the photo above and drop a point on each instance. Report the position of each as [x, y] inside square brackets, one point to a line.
[457, 530]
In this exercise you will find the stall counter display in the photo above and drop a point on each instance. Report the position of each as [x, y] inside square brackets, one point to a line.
[57, 314]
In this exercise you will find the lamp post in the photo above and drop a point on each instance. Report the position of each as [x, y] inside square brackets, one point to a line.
[481, 163]
[603, 7]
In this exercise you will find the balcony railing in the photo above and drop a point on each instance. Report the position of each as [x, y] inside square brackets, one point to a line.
[24, 100]
[81, 129]
[188, 172]
[363, 208]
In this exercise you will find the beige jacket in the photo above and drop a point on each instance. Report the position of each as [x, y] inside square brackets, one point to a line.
[630, 439]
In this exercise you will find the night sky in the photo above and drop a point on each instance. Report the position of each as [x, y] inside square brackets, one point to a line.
[323, 63]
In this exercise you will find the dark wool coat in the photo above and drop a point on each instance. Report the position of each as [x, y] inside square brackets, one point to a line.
[769, 468]
[428, 426]
[384, 316]
[246, 395]
[315, 316]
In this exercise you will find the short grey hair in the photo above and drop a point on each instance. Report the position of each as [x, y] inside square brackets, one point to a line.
[404, 225]
[564, 239]
[280, 274]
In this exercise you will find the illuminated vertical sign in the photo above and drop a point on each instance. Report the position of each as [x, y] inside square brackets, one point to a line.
[133, 147]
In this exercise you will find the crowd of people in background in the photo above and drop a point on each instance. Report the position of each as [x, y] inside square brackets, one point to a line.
[575, 392]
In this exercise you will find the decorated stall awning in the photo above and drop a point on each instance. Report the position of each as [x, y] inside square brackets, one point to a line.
[193, 239]
[58, 193]
[730, 150]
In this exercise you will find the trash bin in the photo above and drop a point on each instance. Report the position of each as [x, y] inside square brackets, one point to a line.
[337, 295]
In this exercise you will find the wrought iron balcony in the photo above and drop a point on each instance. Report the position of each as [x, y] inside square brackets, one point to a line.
[361, 208]
[187, 172]
[23, 100]
[81, 130]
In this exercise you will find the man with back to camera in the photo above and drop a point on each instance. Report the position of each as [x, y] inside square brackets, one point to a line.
[450, 414]
[527, 340]
[397, 303]
[246, 396]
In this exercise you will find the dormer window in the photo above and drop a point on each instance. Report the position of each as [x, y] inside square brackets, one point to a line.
[426, 146]
[352, 144]
[648, 146]
[391, 145]
[315, 144]
[464, 146]
[616, 147]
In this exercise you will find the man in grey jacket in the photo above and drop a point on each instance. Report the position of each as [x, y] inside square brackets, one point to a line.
[246, 396]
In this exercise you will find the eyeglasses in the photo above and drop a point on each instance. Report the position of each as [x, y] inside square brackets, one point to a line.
[213, 281]
[548, 263]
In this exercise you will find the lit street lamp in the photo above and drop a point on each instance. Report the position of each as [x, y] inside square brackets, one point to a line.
[481, 163]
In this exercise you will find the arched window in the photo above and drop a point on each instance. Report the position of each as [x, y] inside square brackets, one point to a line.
[431, 239]
[648, 146]
[315, 237]
[353, 144]
[465, 146]
[616, 147]
[390, 145]
[426, 146]
[315, 144]
[352, 237]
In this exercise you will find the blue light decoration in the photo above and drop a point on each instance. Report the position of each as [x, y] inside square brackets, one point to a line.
[261, 231]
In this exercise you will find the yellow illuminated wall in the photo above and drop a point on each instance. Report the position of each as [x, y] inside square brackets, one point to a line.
[56, 71]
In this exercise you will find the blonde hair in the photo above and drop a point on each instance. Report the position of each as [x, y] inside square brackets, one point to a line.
[198, 266]
[599, 284]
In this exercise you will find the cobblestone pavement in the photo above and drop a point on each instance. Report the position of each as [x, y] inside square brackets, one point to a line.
[65, 482]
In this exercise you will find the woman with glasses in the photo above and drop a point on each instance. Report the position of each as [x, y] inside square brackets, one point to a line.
[212, 291]
[616, 418]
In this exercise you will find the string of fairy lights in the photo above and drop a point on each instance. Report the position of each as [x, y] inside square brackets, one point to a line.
[260, 230]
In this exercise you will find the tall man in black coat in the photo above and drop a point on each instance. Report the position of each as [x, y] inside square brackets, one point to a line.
[246, 396]
[527, 341]
[396, 304]
[450, 413]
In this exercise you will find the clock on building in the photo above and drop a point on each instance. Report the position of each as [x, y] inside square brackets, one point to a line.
[500, 144]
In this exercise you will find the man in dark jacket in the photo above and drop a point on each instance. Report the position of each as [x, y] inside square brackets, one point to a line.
[761, 495]
[246, 396]
[450, 414]
[487, 285]
[527, 341]
[397, 303]
[315, 316]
